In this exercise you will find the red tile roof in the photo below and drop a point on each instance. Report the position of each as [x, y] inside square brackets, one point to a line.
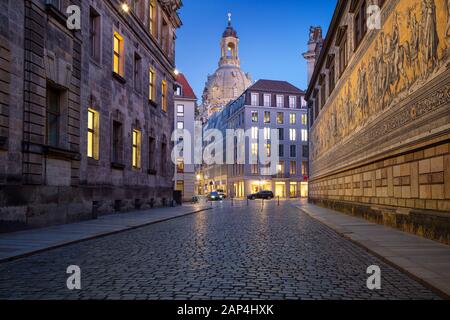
[275, 86]
[187, 91]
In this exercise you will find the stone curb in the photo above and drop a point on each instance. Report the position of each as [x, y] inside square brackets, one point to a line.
[97, 236]
[426, 284]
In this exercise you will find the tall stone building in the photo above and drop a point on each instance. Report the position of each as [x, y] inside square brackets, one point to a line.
[86, 115]
[229, 81]
[380, 115]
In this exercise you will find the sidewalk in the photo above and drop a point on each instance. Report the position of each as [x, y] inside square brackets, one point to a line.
[425, 260]
[23, 243]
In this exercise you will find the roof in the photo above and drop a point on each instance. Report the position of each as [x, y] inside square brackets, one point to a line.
[275, 85]
[187, 91]
[229, 31]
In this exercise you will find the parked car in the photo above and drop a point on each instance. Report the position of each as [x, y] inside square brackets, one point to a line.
[267, 195]
[214, 196]
[222, 193]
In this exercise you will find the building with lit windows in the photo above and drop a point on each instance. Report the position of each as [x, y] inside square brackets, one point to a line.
[85, 115]
[265, 106]
[185, 103]
[379, 105]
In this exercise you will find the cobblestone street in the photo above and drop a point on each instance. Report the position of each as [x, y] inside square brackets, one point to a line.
[229, 252]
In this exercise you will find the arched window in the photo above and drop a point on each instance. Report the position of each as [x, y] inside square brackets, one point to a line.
[230, 50]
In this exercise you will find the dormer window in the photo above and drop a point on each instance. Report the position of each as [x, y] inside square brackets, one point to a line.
[255, 99]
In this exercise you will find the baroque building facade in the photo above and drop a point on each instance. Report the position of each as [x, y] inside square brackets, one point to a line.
[379, 102]
[228, 81]
[85, 116]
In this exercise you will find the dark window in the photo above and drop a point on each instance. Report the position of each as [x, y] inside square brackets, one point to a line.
[305, 151]
[117, 142]
[281, 134]
[53, 116]
[137, 72]
[281, 150]
[323, 95]
[360, 23]
[331, 77]
[163, 159]
[343, 54]
[151, 154]
[293, 150]
[94, 35]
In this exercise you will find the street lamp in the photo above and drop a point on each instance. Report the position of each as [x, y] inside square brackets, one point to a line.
[125, 7]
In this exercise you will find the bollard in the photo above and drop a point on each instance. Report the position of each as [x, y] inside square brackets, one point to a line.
[247, 202]
[262, 204]
[278, 200]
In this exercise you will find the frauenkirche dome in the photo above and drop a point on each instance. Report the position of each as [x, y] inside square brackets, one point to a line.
[229, 81]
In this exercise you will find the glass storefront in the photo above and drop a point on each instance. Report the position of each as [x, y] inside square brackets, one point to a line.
[280, 189]
[293, 190]
[304, 189]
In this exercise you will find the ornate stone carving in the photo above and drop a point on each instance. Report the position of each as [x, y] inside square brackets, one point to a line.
[398, 63]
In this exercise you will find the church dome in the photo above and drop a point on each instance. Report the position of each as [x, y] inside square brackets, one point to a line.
[225, 85]
[229, 32]
[229, 81]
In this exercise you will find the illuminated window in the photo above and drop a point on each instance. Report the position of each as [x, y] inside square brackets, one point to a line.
[268, 149]
[254, 116]
[304, 119]
[92, 134]
[136, 152]
[118, 55]
[254, 149]
[151, 86]
[293, 168]
[267, 133]
[266, 117]
[180, 166]
[292, 134]
[304, 135]
[292, 118]
[164, 95]
[304, 168]
[255, 133]
[152, 18]
[280, 118]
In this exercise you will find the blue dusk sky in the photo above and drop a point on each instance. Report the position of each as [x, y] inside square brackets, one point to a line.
[273, 35]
